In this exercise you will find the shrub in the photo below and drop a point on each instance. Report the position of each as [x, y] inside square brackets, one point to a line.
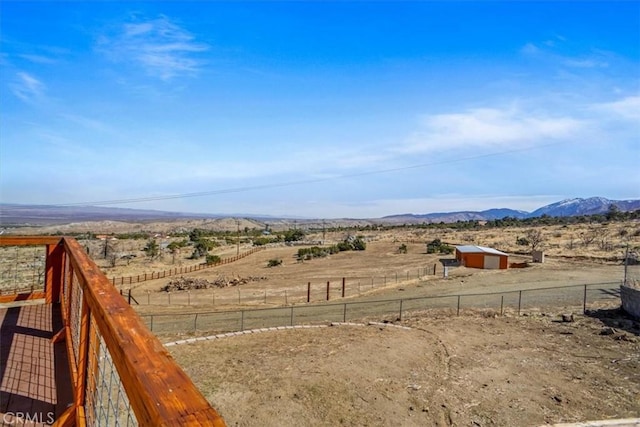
[436, 246]
[402, 249]
[274, 262]
[522, 241]
[213, 259]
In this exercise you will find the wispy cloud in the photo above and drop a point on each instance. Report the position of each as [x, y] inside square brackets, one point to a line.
[489, 127]
[626, 109]
[162, 48]
[550, 51]
[38, 59]
[28, 88]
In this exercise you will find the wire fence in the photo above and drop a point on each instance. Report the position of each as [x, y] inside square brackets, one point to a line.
[574, 297]
[139, 278]
[312, 291]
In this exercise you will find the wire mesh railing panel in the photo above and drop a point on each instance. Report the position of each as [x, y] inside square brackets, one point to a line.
[75, 316]
[22, 268]
[106, 401]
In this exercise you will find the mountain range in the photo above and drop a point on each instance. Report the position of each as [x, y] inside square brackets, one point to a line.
[14, 214]
[567, 207]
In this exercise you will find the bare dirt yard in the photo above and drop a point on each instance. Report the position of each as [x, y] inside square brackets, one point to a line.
[473, 370]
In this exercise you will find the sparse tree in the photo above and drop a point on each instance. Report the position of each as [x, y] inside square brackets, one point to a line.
[588, 237]
[535, 238]
[152, 249]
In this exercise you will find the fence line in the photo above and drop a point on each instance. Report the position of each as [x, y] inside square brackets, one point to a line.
[578, 297]
[129, 280]
[326, 290]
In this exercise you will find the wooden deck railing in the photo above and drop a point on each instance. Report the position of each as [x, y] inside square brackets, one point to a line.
[122, 374]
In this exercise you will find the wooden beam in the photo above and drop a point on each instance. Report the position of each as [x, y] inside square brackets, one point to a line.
[29, 240]
[54, 272]
[22, 297]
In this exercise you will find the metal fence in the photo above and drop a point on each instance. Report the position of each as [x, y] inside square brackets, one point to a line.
[574, 297]
[21, 268]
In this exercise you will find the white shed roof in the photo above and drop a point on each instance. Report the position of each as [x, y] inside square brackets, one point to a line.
[472, 249]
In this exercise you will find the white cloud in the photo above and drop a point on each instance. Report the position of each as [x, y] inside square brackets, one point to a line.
[627, 108]
[38, 59]
[489, 127]
[162, 48]
[551, 52]
[27, 88]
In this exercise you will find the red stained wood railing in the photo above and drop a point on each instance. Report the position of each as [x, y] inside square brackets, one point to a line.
[95, 316]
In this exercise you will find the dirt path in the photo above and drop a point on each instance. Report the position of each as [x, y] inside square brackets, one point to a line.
[470, 370]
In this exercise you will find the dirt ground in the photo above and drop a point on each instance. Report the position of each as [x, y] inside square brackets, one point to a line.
[379, 272]
[473, 370]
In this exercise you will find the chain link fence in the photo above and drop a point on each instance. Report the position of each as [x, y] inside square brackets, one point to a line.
[574, 298]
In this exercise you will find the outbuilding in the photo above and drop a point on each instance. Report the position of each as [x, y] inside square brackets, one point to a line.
[481, 257]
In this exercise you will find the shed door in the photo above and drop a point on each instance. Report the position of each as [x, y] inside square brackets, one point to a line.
[491, 261]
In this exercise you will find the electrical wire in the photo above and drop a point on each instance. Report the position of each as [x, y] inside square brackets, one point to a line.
[288, 183]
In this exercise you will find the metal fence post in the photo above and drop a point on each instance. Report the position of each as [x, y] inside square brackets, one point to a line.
[519, 301]
[291, 316]
[584, 301]
[501, 304]
[344, 313]
[195, 322]
[458, 312]
[242, 320]
[400, 316]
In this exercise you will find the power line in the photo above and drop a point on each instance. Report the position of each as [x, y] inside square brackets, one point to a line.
[289, 183]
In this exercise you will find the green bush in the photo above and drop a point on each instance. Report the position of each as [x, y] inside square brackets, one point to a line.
[437, 247]
[274, 262]
[213, 259]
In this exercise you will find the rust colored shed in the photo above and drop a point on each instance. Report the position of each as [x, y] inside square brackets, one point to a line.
[481, 257]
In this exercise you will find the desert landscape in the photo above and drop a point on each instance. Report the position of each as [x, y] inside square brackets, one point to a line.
[437, 366]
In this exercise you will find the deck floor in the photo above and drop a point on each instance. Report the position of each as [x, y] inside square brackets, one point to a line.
[35, 385]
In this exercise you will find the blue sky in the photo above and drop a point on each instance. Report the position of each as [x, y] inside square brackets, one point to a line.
[320, 110]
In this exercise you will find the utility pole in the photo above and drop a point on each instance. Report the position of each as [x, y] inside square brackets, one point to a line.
[626, 263]
[323, 232]
[238, 238]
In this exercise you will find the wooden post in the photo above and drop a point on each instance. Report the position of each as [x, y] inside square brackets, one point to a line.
[54, 267]
[501, 304]
[327, 291]
[343, 286]
[458, 312]
[308, 291]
